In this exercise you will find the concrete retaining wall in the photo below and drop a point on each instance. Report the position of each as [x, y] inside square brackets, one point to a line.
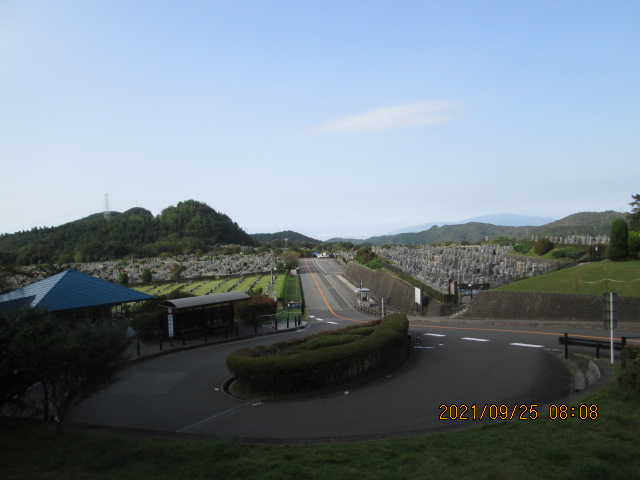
[398, 294]
[490, 304]
[548, 306]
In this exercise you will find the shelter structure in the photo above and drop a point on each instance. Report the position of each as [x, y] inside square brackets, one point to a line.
[72, 293]
[202, 314]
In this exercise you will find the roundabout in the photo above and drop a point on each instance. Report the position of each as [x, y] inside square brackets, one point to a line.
[449, 365]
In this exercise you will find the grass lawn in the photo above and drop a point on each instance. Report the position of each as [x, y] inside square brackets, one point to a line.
[605, 448]
[201, 287]
[585, 279]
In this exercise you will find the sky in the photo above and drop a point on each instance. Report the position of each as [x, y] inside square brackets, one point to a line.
[327, 117]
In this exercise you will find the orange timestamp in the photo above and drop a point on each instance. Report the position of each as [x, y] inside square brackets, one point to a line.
[529, 411]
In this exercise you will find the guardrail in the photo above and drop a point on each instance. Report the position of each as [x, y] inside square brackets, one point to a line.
[566, 340]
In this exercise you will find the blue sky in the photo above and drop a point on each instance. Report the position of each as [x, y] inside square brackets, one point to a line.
[325, 117]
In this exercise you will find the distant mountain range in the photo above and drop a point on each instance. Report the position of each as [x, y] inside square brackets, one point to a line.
[585, 223]
[194, 227]
[503, 219]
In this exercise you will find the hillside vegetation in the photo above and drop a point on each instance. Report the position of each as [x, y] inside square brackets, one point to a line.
[193, 227]
[585, 223]
[186, 228]
[585, 279]
[285, 238]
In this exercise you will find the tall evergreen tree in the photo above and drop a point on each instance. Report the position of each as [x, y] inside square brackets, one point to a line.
[634, 216]
[618, 248]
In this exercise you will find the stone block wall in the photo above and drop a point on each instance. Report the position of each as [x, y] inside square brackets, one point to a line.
[548, 306]
[398, 295]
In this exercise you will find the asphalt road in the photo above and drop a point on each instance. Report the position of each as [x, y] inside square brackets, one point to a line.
[451, 364]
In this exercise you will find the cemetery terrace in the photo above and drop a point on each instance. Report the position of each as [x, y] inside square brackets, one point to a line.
[472, 264]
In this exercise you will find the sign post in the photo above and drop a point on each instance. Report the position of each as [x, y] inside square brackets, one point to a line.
[612, 297]
[611, 317]
[170, 323]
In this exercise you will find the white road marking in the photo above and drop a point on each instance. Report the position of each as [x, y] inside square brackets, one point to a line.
[334, 323]
[211, 419]
[475, 339]
[435, 334]
[418, 346]
[320, 320]
[526, 345]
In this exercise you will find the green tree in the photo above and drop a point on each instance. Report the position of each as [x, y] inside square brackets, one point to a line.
[290, 259]
[618, 248]
[72, 358]
[634, 242]
[146, 275]
[634, 216]
[175, 271]
[542, 246]
[249, 312]
[123, 278]
[15, 376]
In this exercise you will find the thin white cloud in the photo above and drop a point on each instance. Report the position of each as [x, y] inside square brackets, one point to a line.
[401, 116]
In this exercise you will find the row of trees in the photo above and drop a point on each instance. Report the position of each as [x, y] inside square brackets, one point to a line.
[67, 358]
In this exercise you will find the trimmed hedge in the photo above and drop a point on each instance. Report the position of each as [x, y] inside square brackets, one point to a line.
[285, 369]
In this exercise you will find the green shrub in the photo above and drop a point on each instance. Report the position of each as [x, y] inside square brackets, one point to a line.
[364, 331]
[283, 368]
[630, 375]
[149, 320]
[522, 247]
[326, 341]
[249, 312]
[148, 325]
[365, 256]
[634, 242]
[618, 248]
[375, 264]
[542, 246]
[572, 252]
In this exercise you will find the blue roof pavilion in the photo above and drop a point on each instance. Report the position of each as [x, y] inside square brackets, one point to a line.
[70, 291]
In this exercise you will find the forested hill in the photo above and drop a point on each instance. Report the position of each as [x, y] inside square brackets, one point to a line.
[584, 223]
[289, 237]
[186, 228]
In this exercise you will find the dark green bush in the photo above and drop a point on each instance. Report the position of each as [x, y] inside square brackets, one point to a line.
[572, 252]
[630, 375]
[249, 312]
[634, 242]
[618, 248]
[149, 320]
[542, 246]
[364, 331]
[326, 341]
[522, 247]
[282, 368]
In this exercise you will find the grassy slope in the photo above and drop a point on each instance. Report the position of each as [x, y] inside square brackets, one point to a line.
[546, 449]
[585, 279]
[205, 286]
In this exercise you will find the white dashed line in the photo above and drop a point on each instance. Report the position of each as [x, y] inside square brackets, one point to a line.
[475, 339]
[526, 345]
[334, 323]
[435, 334]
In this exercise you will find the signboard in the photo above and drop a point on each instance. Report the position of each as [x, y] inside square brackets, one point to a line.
[170, 325]
[418, 295]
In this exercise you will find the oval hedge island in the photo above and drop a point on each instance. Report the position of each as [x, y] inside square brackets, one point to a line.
[324, 362]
